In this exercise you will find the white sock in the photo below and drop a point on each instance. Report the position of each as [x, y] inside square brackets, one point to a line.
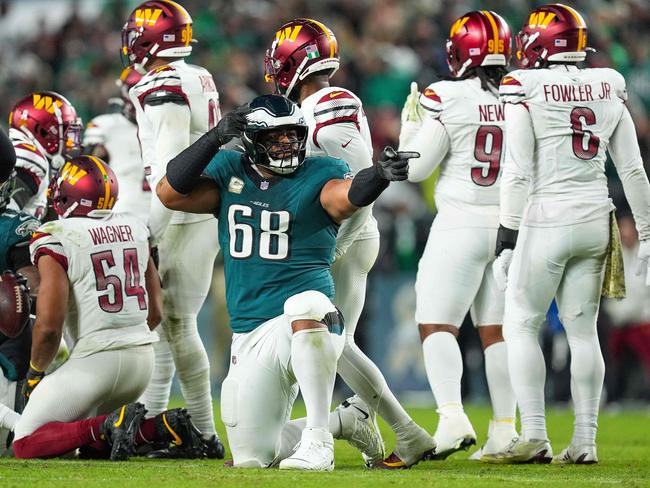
[504, 406]
[365, 379]
[587, 375]
[444, 366]
[193, 369]
[156, 397]
[313, 359]
[527, 375]
[8, 418]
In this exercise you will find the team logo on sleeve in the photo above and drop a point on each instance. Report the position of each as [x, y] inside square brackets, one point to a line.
[236, 185]
[431, 95]
[27, 228]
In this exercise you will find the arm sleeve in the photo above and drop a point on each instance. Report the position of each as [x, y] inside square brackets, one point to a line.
[7, 157]
[624, 149]
[331, 139]
[518, 164]
[432, 142]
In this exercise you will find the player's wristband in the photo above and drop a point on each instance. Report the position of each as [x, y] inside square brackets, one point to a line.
[506, 239]
[366, 187]
[184, 171]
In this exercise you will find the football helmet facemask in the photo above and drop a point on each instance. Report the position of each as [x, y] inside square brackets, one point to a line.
[275, 137]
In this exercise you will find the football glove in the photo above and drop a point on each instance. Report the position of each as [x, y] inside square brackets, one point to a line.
[33, 378]
[394, 165]
[643, 256]
[412, 110]
[230, 126]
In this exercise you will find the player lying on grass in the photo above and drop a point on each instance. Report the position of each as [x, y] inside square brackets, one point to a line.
[279, 213]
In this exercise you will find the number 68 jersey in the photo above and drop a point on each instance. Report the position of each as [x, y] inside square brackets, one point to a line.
[105, 260]
[467, 191]
[276, 238]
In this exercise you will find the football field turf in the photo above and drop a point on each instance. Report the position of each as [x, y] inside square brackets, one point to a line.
[623, 448]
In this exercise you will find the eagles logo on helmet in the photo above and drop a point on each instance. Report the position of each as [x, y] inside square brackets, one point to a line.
[85, 187]
[156, 29]
[479, 38]
[301, 47]
[50, 121]
[553, 32]
[275, 136]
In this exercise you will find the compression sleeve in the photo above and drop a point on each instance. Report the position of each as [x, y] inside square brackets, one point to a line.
[518, 165]
[624, 149]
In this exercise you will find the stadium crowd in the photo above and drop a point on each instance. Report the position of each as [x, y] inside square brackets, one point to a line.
[385, 45]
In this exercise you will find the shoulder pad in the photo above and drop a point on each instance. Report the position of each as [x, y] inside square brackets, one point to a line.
[164, 79]
[43, 243]
[30, 157]
[336, 106]
[618, 84]
[511, 89]
[430, 99]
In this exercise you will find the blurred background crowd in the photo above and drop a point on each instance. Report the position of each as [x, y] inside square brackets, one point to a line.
[72, 46]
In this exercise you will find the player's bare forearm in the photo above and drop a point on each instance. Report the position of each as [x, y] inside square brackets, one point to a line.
[154, 291]
[50, 312]
[335, 201]
[203, 198]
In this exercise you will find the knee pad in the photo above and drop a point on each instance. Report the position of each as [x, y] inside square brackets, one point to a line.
[308, 305]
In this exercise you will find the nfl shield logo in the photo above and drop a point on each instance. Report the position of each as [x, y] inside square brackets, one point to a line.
[264, 185]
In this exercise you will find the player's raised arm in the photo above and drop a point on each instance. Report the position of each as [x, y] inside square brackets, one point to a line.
[183, 188]
[341, 198]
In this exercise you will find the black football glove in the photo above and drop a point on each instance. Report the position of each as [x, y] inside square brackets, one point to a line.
[230, 126]
[394, 165]
[33, 378]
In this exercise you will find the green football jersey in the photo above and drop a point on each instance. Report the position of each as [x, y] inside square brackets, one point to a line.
[276, 238]
[15, 228]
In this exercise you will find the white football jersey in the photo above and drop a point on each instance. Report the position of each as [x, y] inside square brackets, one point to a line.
[574, 113]
[33, 159]
[105, 259]
[193, 86]
[467, 190]
[120, 138]
[338, 128]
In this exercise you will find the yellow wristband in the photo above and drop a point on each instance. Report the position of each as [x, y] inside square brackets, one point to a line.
[31, 365]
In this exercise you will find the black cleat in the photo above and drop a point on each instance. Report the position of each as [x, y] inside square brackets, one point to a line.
[214, 448]
[184, 439]
[120, 428]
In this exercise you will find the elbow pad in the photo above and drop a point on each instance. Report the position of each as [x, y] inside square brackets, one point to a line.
[366, 187]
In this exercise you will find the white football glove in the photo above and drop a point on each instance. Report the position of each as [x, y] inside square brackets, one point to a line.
[412, 110]
[500, 268]
[643, 256]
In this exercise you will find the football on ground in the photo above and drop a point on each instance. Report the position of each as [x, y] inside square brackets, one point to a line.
[623, 449]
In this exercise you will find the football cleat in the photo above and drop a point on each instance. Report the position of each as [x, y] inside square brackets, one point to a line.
[214, 448]
[419, 446]
[119, 429]
[184, 439]
[520, 451]
[585, 454]
[359, 427]
[454, 433]
[315, 452]
[500, 433]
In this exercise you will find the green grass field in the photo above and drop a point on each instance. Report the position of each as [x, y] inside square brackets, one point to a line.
[623, 447]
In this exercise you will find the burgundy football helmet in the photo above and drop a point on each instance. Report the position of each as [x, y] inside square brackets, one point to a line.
[50, 122]
[85, 187]
[552, 32]
[156, 29]
[128, 78]
[301, 47]
[478, 38]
